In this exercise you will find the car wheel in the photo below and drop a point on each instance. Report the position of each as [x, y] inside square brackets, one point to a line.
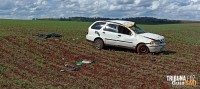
[98, 44]
[142, 49]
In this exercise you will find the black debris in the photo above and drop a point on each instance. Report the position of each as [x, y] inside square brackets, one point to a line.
[45, 36]
[73, 69]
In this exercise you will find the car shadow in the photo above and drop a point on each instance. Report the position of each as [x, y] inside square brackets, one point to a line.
[119, 49]
[167, 52]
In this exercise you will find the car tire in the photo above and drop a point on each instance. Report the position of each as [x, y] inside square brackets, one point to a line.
[98, 44]
[142, 49]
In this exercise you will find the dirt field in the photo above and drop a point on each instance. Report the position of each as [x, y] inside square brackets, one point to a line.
[28, 62]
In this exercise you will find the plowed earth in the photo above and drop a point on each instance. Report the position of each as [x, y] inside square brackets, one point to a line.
[28, 62]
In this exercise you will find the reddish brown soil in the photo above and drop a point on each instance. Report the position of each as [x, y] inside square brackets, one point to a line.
[39, 63]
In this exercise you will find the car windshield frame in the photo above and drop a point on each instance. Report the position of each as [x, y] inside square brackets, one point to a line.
[137, 30]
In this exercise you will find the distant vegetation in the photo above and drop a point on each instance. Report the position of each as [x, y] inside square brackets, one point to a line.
[139, 20]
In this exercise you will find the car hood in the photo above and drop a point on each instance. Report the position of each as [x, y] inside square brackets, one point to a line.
[152, 36]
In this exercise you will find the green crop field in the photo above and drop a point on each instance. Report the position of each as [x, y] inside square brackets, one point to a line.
[29, 62]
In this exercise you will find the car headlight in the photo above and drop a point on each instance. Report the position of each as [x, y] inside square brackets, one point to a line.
[155, 43]
[162, 41]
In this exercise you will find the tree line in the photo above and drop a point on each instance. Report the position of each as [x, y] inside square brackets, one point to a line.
[139, 20]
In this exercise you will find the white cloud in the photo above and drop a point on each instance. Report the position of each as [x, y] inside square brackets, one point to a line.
[194, 1]
[155, 5]
[137, 1]
[169, 9]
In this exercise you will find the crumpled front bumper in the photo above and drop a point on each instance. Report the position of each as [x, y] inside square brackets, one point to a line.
[159, 48]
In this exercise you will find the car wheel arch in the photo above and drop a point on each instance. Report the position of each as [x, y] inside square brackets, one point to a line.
[98, 38]
[142, 44]
[139, 44]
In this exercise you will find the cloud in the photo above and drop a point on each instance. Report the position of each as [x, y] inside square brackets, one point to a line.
[6, 5]
[137, 1]
[155, 5]
[169, 9]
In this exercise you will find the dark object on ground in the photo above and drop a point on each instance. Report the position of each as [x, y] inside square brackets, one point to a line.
[44, 36]
[40, 35]
[73, 69]
[53, 35]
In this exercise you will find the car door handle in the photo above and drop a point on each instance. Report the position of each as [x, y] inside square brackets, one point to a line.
[119, 35]
[104, 32]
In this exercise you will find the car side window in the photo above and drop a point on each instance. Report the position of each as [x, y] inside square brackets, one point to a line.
[124, 30]
[111, 28]
[98, 25]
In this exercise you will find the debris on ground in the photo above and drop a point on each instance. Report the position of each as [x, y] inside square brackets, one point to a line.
[39, 35]
[75, 39]
[66, 64]
[87, 61]
[62, 70]
[72, 69]
[45, 36]
[56, 39]
[79, 63]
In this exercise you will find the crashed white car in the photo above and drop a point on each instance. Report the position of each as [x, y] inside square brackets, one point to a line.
[124, 34]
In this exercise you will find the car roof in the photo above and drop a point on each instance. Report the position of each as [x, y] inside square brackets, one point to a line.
[121, 22]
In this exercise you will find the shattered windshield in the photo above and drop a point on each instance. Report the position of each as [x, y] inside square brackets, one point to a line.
[137, 30]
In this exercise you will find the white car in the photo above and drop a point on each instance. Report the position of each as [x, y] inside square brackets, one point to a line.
[124, 34]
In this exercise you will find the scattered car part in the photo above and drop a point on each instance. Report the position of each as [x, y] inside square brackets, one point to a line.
[62, 70]
[79, 63]
[72, 69]
[87, 61]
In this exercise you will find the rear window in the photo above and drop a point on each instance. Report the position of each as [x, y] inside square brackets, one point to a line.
[98, 25]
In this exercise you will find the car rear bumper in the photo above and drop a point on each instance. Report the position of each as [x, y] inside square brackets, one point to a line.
[89, 38]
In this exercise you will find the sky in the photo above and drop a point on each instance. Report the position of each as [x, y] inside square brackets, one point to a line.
[164, 9]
